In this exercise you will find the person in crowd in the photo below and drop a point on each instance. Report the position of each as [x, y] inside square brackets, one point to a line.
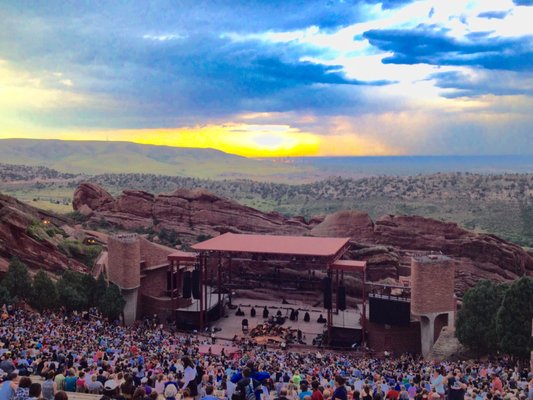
[128, 387]
[9, 386]
[70, 381]
[61, 395]
[170, 392]
[34, 392]
[209, 393]
[139, 394]
[49, 386]
[317, 393]
[95, 386]
[81, 384]
[23, 389]
[340, 392]
[304, 391]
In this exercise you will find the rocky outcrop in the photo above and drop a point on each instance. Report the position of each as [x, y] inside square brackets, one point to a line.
[447, 347]
[354, 224]
[89, 197]
[477, 255]
[386, 244]
[188, 212]
[16, 240]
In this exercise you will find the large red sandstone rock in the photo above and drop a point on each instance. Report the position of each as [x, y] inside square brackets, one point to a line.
[477, 255]
[92, 196]
[354, 224]
[189, 212]
[15, 217]
[385, 244]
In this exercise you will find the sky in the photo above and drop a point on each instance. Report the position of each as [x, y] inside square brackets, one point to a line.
[272, 78]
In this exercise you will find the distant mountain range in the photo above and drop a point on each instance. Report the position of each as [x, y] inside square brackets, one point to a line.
[98, 157]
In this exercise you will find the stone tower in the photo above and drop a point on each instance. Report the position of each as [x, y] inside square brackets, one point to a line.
[124, 270]
[432, 294]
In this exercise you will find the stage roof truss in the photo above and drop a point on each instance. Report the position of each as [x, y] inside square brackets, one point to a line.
[270, 246]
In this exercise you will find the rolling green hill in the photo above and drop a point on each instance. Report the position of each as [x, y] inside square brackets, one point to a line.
[97, 157]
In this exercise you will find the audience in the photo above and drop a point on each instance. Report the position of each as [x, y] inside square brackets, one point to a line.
[86, 354]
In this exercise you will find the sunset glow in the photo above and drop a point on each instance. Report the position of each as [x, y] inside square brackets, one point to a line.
[347, 78]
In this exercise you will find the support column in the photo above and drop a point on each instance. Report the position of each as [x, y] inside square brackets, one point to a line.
[363, 336]
[204, 288]
[427, 332]
[336, 291]
[201, 273]
[176, 280]
[451, 319]
[219, 279]
[330, 311]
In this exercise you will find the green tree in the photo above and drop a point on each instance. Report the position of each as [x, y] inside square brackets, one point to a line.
[70, 298]
[514, 318]
[5, 297]
[476, 320]
[88, 287]
[17, 280]
[44, 296]
[112, 303]
[73, 294]
[100, 288]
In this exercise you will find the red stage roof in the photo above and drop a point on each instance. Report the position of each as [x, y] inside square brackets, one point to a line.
[179, 255]
[349, 265]
[269, 244]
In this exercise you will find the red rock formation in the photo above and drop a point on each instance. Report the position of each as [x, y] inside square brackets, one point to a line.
[385, 244]
[92, 196]
[189, 212]
[15, 217]
[357, 225]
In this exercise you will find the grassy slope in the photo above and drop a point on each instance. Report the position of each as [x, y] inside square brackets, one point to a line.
[91, 157]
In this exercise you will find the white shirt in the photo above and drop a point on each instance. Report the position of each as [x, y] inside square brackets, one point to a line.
[188, 375]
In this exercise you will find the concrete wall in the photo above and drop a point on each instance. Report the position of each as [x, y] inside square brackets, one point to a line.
[398, 339]
[130, 309]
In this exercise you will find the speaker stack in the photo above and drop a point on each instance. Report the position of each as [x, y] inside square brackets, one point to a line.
[326, 288]
[196, 284]
[187, 285]
[341, 298]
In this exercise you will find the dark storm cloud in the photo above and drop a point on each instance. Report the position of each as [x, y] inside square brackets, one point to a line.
[390, 4]
[429, 45]
[206, 15]
[176, 59]
[499, 83]
[494, 14]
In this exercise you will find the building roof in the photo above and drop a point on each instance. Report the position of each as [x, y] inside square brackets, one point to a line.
[271, 244]
[349, 265]
[179, 255]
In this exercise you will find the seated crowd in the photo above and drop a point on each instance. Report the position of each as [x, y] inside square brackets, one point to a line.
[56, 356]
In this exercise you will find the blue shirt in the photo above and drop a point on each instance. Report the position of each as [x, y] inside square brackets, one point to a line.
[6, 391]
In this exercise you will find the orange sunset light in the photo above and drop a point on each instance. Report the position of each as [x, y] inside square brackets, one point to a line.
[242, 139]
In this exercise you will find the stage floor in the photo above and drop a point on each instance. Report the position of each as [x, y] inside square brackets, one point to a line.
[232, 325]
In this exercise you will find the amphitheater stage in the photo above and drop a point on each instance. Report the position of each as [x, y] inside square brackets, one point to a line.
[347, 323]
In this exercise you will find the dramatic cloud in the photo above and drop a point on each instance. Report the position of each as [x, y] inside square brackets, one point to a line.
[430, 45]
[494, 14]
[342, 72]
[501, 83]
